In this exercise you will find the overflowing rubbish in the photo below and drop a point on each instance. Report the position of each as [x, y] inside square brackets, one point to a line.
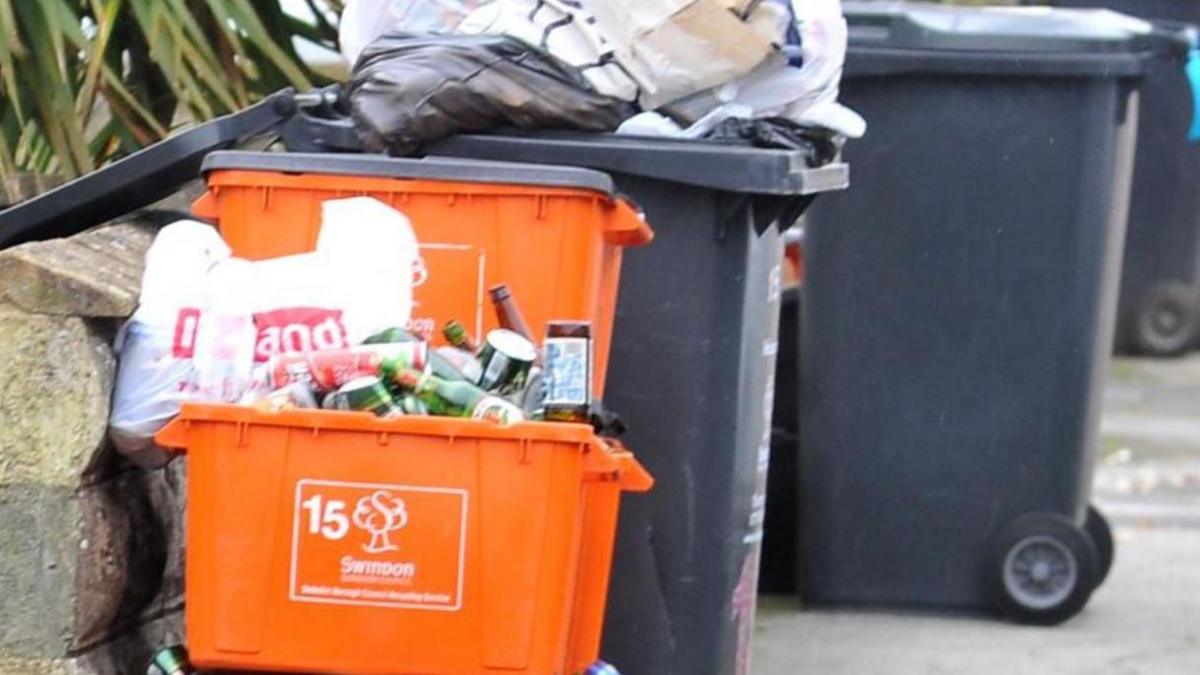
[674, 68]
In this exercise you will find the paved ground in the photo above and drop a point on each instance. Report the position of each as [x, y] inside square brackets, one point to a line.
[1145, 620]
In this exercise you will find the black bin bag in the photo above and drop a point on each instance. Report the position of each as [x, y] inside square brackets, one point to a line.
[407, 91]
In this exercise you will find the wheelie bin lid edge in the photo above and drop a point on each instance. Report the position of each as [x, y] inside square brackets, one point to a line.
[705, 164]
[430, 168]
[1000, 40]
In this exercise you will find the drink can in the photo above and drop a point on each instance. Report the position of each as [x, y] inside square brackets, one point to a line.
[506, 358]
[498, 410]
[331, 369]
[568, 371]
[413, 405]
[366, 394]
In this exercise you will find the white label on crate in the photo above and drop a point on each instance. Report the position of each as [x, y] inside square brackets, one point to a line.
[378, 545]
[441, 289]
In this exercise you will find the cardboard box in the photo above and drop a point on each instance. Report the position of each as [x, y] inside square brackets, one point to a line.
[674, 48]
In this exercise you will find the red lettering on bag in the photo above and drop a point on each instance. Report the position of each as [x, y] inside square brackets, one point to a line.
[298, 329]
[183, 344]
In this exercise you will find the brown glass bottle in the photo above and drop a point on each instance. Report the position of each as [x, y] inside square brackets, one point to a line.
[508, 313]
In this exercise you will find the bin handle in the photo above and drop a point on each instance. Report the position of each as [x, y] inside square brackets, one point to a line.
[634, 476]
[173, 437]
[205, 206]
[627, 226]
[611, 461]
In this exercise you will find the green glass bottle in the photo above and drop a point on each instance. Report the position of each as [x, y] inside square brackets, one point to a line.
[437, 363]
[449, 398]
[456, 334]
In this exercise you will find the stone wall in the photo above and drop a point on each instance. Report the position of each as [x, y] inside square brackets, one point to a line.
[90, 547]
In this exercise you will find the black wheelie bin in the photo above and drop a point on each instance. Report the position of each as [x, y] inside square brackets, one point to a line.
[692, 374]
[960, 305]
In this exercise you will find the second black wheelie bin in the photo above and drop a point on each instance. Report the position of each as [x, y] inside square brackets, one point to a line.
[1159, 309]
[960, 305]
[692, 374]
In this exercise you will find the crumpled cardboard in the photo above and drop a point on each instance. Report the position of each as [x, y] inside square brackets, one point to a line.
[673, 48]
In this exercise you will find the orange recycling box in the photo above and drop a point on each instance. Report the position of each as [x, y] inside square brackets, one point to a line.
[336, 542]
[554, 235]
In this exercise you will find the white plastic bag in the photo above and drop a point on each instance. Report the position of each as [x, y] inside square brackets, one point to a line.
[356, 283]
[364, 233]
[225, 338]
[205, 319]
[823, 40]
[564, 30]
[655, 124]
[364, 20]
[156, 346]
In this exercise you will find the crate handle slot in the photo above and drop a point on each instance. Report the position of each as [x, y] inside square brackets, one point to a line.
[173, 437]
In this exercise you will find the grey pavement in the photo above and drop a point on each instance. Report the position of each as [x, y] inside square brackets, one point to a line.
[1145, 620]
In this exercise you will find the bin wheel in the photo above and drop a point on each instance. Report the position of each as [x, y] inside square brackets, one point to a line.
[1100, 532]
[1167, 319]
[1045, 569]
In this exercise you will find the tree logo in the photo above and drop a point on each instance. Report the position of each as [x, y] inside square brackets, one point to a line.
[380, 513]
[420, 273]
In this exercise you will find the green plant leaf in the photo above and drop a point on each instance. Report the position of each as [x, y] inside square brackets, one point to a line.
[106, 14]
[85, 81]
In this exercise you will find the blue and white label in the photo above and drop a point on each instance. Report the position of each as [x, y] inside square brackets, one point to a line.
[567, 375]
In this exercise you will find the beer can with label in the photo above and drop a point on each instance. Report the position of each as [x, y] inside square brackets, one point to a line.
[568, 371]
[506, 358]
[328, 370]
[366, 394]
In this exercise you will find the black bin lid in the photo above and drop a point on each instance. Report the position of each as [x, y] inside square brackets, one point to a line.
[893, 37]
[430, 168]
